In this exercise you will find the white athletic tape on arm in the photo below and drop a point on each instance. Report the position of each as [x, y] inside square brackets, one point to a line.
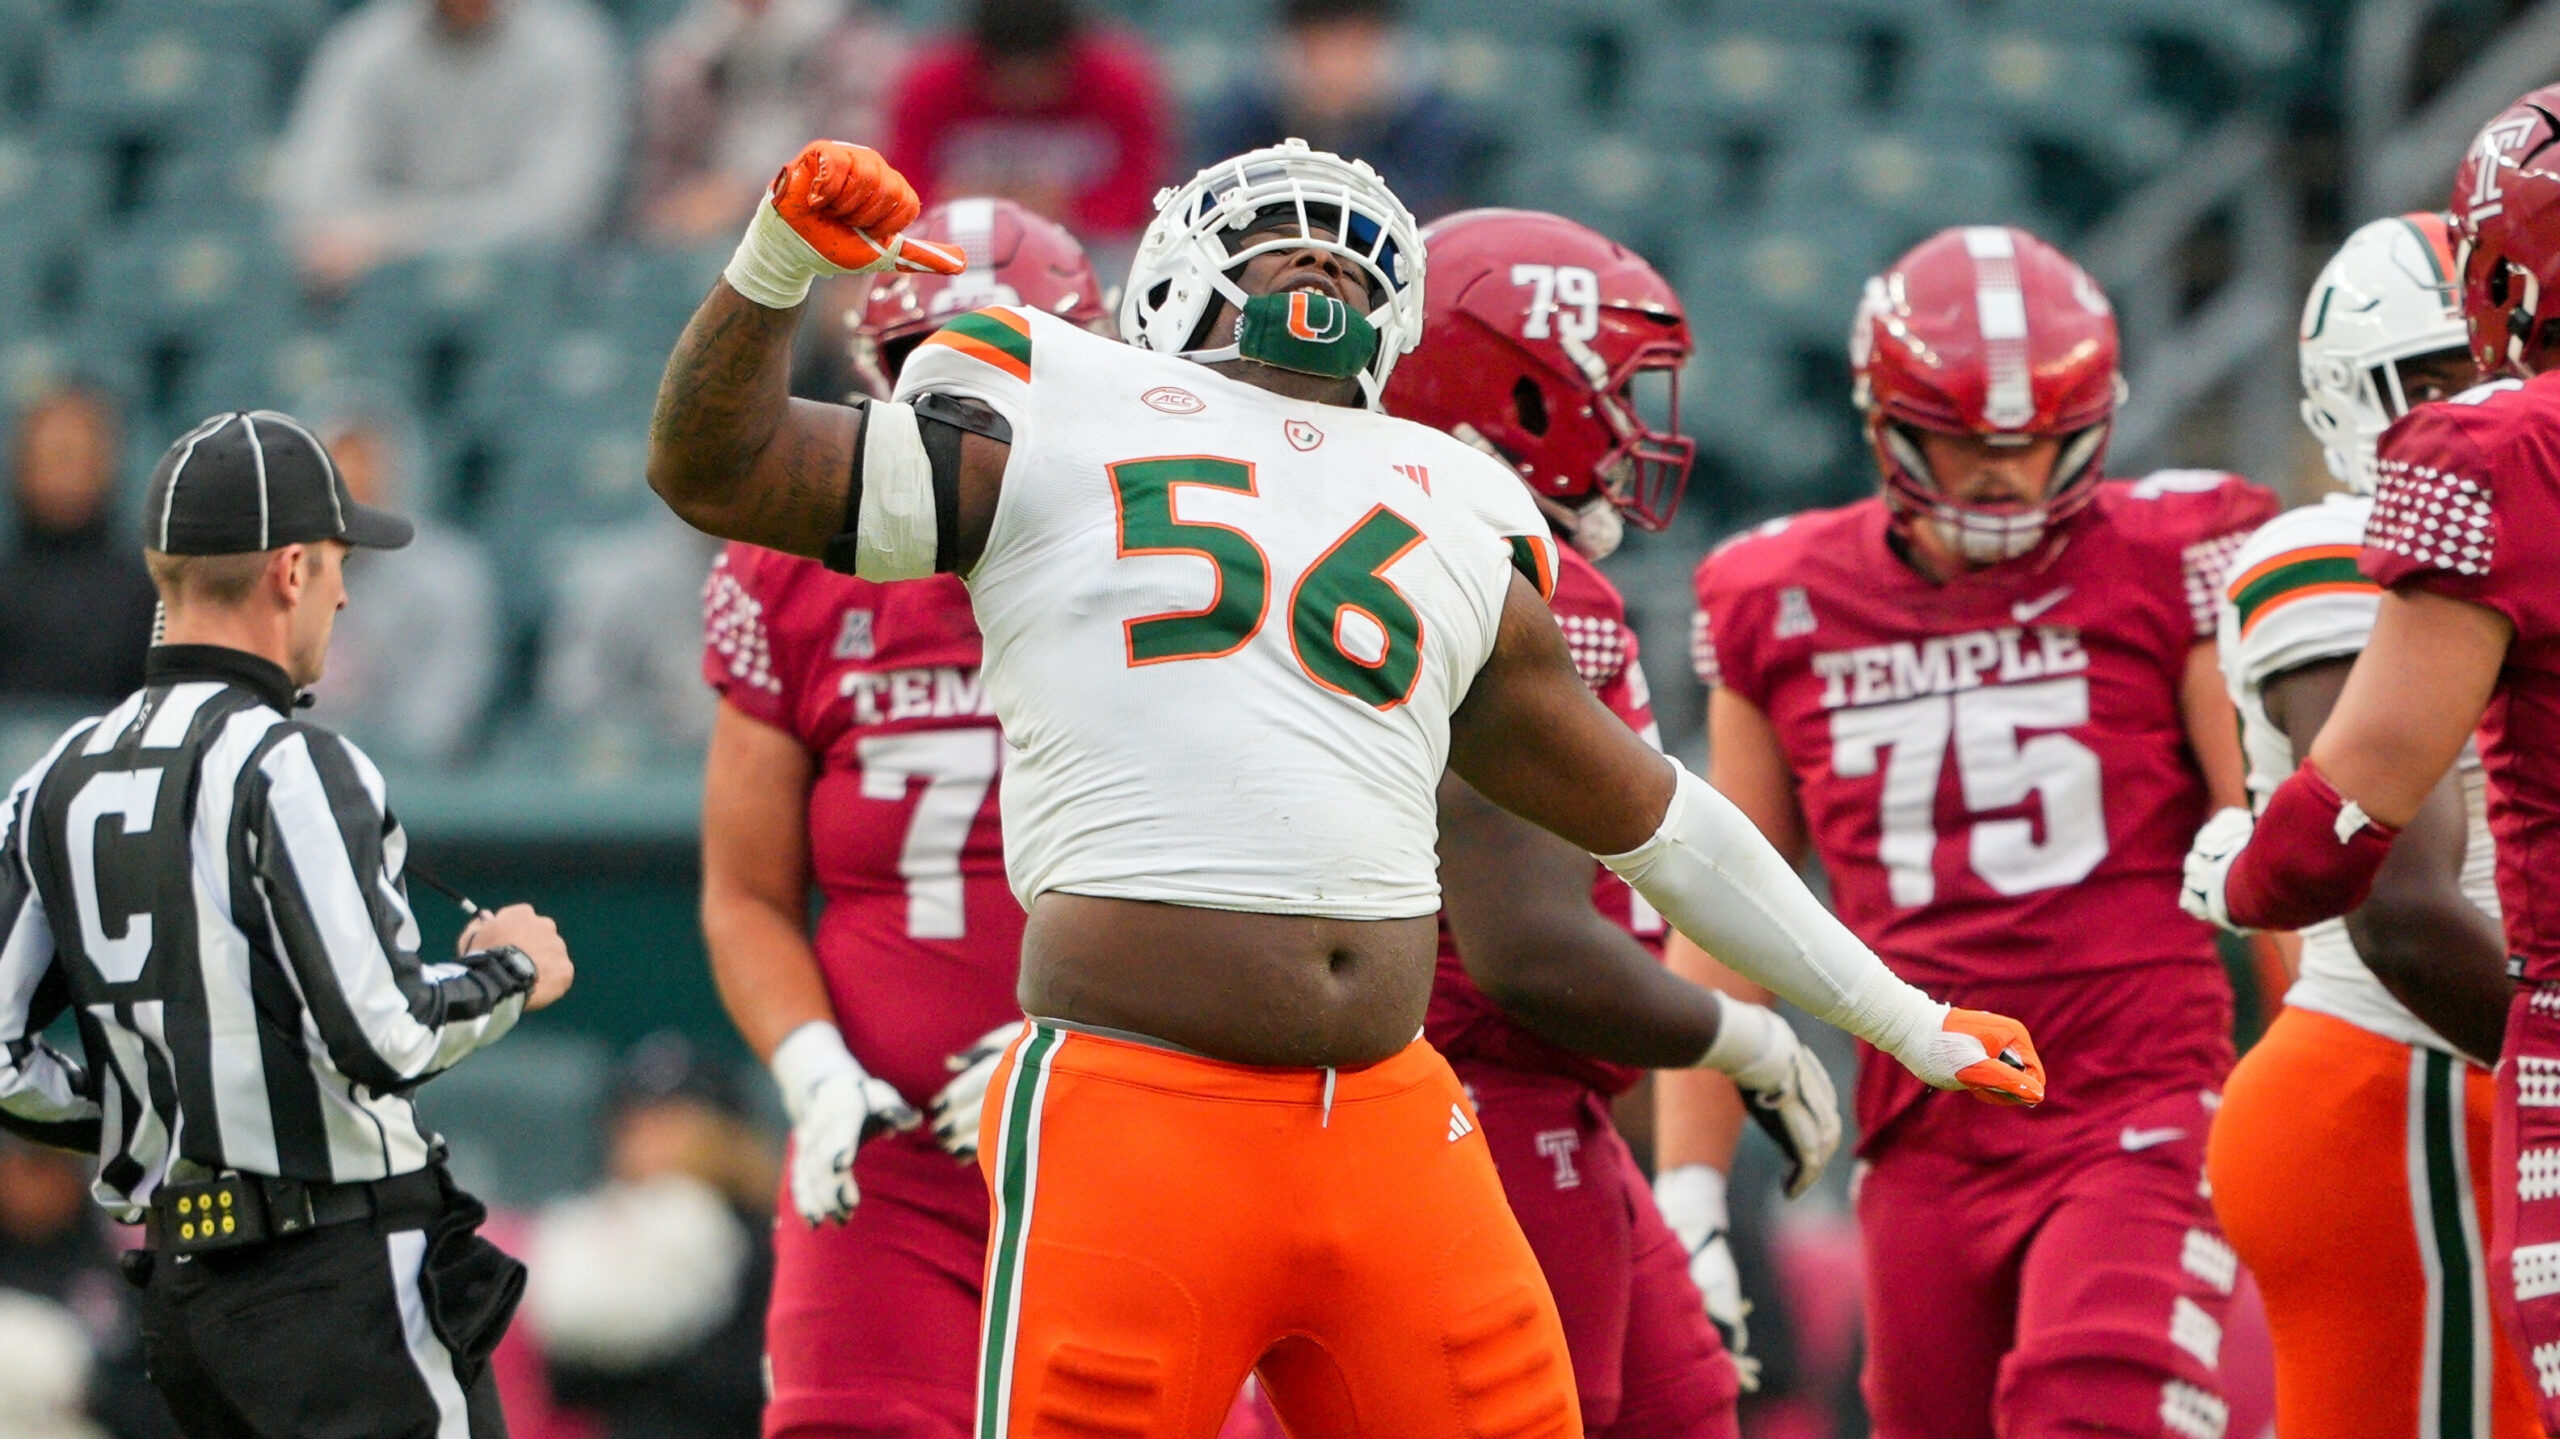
[1711, 873]
[805, 1057]
[772, 265]
[896, 534]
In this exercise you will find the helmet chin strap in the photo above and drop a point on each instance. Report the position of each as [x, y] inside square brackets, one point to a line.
[1594, 528]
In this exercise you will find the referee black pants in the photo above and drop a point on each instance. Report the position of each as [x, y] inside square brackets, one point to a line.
[324, 1336]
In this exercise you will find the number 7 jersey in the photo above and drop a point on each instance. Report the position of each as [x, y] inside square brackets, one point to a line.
[1995, 771]
[1224, 629]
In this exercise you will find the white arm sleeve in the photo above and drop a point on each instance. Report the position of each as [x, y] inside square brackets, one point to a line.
[894, 535]
[1711, 873]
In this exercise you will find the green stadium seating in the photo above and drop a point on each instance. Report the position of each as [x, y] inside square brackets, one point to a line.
[1644, 199]
[2088, 91]
[1912, 179]
[1726, 81]
[426, 325]
[162, 84]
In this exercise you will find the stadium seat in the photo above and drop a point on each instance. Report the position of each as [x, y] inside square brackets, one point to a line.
[2088, 91]
[1737, 80]
[2259, 36]
[1907, 178]
[1827, 19]
[218, 184]
[1644, 199]
[162, 84]
[1533, 88]
[1795, 279]
[48, 190]
[24, 40]
[427, 324]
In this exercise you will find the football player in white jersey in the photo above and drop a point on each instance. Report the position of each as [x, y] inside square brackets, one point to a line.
[1237, 624]
[2349, 1163]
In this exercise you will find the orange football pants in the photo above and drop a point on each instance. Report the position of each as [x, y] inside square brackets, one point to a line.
[1163, 1224]
[2352, 1174]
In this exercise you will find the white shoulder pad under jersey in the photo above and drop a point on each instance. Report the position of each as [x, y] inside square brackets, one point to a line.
[1224, 629]
[2295, 597]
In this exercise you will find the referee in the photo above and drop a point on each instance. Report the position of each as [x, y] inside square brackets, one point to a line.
[212, 889]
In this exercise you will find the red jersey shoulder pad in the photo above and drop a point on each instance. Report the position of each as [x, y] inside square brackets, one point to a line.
[1582, 591]
[2183, 506]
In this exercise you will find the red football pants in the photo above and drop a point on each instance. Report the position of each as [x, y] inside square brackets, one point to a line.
[2086, 1289]
[2524, 1250]
[1646, 1362]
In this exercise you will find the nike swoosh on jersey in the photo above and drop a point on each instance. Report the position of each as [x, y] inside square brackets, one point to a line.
[2138, 1139]
[2025, 611]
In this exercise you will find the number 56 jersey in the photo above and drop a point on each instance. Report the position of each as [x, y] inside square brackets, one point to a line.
[1995, 771]
[1224, 629]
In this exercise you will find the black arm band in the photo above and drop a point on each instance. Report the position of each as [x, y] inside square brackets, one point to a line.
[839, 553]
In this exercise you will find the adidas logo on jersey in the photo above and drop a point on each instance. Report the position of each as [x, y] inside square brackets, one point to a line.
[1459, 1125]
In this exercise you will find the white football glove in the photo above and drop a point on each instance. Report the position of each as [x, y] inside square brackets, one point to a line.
[2208, 867]
[1691, 1198]
[1784, 1087]
[955, 1110]
[835, 1107]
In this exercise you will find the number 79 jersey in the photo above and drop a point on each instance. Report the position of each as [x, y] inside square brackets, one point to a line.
[1225, 629]
[1995, 771]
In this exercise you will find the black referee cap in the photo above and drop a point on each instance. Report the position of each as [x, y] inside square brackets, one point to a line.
[252, 480]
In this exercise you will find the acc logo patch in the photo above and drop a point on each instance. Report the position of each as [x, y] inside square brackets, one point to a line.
[1173, 400]
[1302, 435]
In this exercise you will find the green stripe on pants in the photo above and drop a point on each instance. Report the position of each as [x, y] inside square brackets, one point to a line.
[1017, 1158]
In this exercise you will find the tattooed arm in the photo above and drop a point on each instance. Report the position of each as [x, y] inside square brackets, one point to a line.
[730, 451]
[735, 456]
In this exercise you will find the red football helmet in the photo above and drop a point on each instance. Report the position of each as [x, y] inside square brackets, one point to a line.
[1535, 335]
[1016, 257]
[2506, 216]
[1986, 330]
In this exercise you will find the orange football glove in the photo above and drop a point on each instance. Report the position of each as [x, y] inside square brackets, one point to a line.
[853, 209]
[2012, 1074]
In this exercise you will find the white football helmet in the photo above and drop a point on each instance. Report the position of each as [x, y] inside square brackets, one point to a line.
[1187, 258]
[2391, 293]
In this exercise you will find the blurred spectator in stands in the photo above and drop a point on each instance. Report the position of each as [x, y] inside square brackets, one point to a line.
[1033, 104]
[416, 649]
[616, 670]
[68, 1341]
[1347, 77]
[731, 91]
[77, 613]
[648, 1293]
[439, 125]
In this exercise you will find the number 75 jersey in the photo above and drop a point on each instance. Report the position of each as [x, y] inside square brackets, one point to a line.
[1994, 771]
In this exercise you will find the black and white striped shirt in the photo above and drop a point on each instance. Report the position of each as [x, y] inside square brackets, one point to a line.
[213, 890]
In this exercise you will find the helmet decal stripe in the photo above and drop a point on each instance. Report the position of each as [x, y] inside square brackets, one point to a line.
[973, 229]
[2000, 306]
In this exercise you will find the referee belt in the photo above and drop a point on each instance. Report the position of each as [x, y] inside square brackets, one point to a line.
[232, 1210]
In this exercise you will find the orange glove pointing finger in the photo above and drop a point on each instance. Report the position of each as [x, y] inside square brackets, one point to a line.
[851, 208]
[2012, 1074]
[836, 209]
